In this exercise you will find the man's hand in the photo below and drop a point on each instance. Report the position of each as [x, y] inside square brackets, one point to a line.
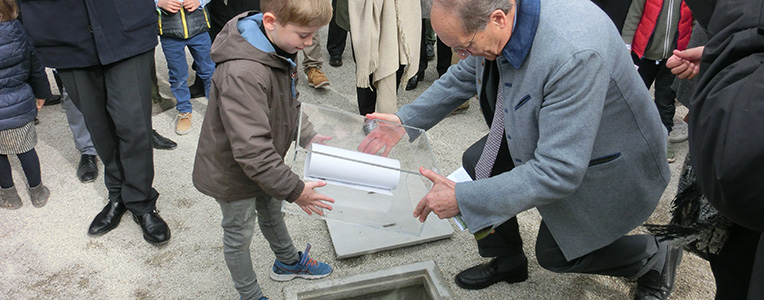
[170, 6]
[685, 64]
[319, 139]
[310, 200]
[385, 135]
[191, 5]
[40, 103]
[441, 199]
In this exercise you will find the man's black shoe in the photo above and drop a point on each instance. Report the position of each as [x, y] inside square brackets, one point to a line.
[87, 171]
[107, 219]
[197, 89]
[654, 286]
[412, 83]
[335, 61]
[155, 230]
[483, 276]
[160, 142]
[53, 100]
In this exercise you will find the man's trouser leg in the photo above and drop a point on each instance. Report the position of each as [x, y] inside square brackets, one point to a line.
[116, 100]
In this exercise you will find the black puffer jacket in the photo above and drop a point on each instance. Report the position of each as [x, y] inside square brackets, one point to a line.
[22, 77]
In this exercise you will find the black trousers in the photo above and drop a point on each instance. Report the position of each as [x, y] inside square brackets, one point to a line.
[664, 94]
[337, 37]
[443, 56]
[734, 265]
[630, 256]
[115, 100]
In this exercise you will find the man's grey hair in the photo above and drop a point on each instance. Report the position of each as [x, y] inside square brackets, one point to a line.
[473, 13]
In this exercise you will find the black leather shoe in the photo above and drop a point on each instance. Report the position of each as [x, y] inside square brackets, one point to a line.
[483, 276]
[155, 230]
[196, 89]
[412, 83]
[655, 286]
[53, 100]
[335, 61]
[87, 171]
[107, 219]
[160, 142]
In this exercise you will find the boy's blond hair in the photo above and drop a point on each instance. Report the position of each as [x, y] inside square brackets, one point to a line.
[299, 12]
[9, 11]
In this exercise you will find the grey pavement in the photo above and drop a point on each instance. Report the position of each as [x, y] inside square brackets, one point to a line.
[47, 254]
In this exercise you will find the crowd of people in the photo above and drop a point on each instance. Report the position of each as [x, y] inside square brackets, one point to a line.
[573, 129]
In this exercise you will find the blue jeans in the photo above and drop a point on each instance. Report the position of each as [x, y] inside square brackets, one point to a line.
[175, 54]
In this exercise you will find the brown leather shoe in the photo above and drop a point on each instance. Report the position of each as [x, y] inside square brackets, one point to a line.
[316, 78]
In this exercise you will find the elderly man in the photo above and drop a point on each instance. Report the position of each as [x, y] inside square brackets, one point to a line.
[573, 134]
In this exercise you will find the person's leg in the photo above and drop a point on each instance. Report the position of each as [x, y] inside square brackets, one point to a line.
[312, 64]
[87, 169]
[312, 54]
[414, 81]
[38, 193]
[647, 70]
[504, 244]
[82, 140]
[238, 227]
[640, 257]
[9, 196]
[86, 88]
[6, 178]
[30, 162]
[733, 266]
[443, 55]
[199, 47]
[128, 104]
[175, 54]
[335, 40]
[630, 256]
[270, 219]
[665, 96]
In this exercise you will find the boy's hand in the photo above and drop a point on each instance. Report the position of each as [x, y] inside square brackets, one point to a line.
[385, 135]
[191, 5]
[40, 103]
[310, 200]
[319, 139]
[170, 6]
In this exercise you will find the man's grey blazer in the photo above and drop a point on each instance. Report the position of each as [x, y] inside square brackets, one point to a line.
[588, 145]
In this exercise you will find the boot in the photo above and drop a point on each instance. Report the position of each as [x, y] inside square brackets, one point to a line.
[39, 195]
[9, 198]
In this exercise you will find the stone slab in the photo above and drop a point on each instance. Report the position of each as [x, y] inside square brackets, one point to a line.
[347, 244]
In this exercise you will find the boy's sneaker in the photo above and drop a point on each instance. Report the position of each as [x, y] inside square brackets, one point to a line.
[679, 132]
[183, 123]
[316, 78]
[306, 267]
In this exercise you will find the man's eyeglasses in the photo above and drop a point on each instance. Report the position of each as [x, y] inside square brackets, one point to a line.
[464, 52]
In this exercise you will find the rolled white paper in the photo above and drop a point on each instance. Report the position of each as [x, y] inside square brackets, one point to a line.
[352, 168]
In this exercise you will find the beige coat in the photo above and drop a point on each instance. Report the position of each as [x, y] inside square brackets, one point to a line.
[385, 34]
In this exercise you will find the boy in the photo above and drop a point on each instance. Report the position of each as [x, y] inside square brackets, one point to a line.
[185, 24]
[250, 122]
